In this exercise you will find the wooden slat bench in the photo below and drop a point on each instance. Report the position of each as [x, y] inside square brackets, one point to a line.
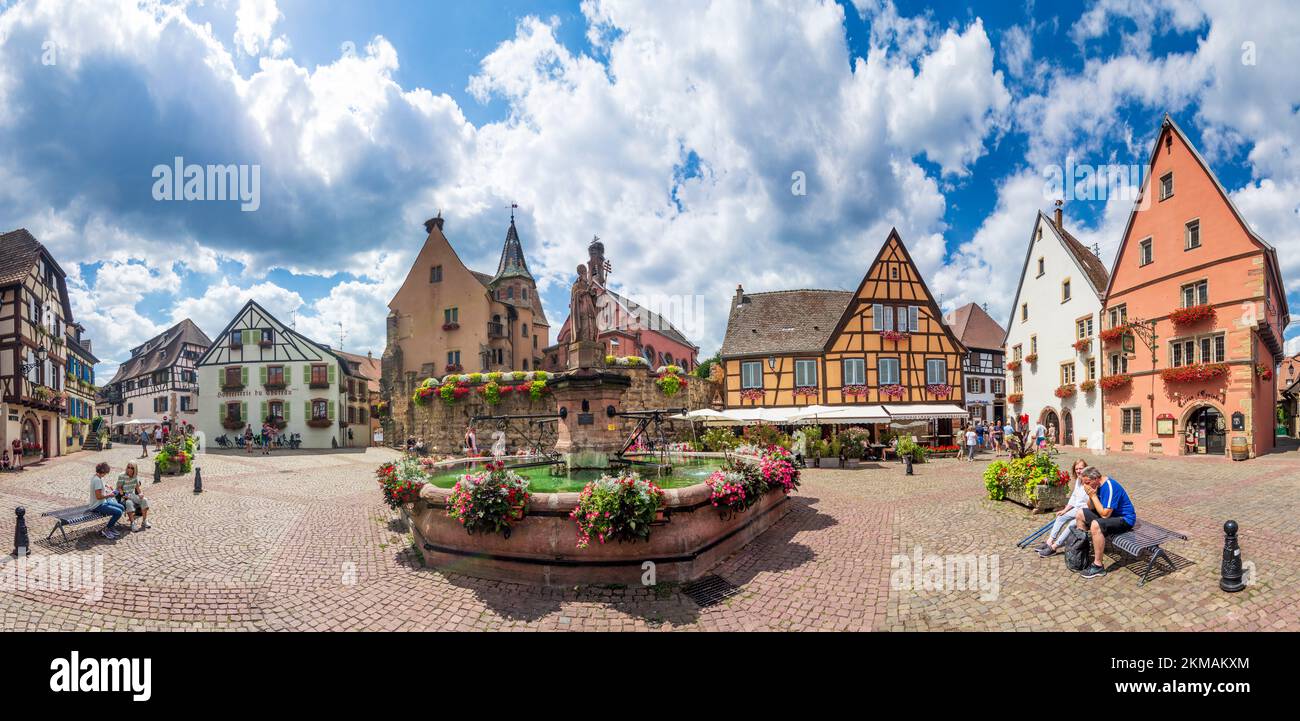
[74, 516]
[1146, 537]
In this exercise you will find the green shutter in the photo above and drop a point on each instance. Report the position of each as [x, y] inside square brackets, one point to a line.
[306, 410]
[264, 410]
[306, 375]
[331, 373]
[249, 337]
[243, 411]
[286, 374]
[261, 372]
[331, 410]
[284, 408]
[221, 411]
[243, 376]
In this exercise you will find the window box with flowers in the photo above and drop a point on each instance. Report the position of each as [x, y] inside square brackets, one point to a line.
[1110, 335]
[1031, 358]
[1192, 314]
[939, 390]
[1015, 398]
[450, 326]
[1065, 390]
[1263, 372]
[1013, 366]
[895, 335]
[320, 423]
[751, 394]
[854, 391]
[1118, 380]
[805, 391]
[1194, 373]
[1083, 345]
[1088, 386]
[893, 390]
[453, 368]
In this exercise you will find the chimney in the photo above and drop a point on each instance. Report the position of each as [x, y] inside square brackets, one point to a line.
[1057, 214]
[86, 344]
[434, 222]
[740, 295]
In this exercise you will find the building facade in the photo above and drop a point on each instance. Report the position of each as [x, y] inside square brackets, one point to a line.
[363, 398]
[447, 318]
[34, 317]
[1052, 350]
[626, 328]
[159, 381]
[1191, 272]
[885, 343]
[80, 382]
[258, 369]
[983, 366]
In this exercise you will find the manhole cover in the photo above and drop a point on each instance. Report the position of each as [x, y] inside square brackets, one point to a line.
[710, 590]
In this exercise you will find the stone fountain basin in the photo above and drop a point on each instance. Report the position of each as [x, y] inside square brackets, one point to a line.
[691, 538]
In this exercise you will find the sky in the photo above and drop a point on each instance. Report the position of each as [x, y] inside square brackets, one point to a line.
[709, 144]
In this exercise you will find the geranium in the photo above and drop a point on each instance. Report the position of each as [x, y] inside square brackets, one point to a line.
[1031, 358]
[1028, 473]
[805, 390]
[1110, 335]
[1015, 397]
[727, 490]
[670, 381]
[1117, 380]
[616, 508]
[854, 390]
[1194, 314]
[1013, 365]
[777, 467]
[1065, 390]
[894, 335]
[450, 326]
[489, 502]
[1194, 373]
[401, 482]
[537, 389]
[491, 393]
[1088, 386]
[1083, 345]
[892, 391]
[939, 390]
[752, 394]
[1263, 372]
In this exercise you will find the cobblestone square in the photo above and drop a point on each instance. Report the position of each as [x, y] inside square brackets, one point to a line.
[304, 542]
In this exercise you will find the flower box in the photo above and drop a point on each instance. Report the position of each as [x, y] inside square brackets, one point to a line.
[1013, 365]
[938, 390]
[1194, 373]
[892, 391]
[1082, 346]
[1031, 358]
[278, 386]
[1065, 391]
[1118, 380]
[752, 394]
[1015, 398]
[232, 424]
[1263, 372]
[805, 391]
[854, 390]
[1049, 498]
[1192, 314]
[895, 335]
[320, 423]
[1110, 335]
[226, 388]
[450, 326]
[1088, 386]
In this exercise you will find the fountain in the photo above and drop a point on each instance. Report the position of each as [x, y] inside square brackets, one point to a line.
[688, 536]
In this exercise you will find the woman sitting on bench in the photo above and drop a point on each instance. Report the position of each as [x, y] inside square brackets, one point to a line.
[101, 502]
[1065, 516]
[128, 487]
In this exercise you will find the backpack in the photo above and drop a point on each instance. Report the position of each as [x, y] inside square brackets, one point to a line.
[1078, 549]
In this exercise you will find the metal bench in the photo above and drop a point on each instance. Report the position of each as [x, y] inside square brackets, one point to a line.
[65, 517]
[1146, 537]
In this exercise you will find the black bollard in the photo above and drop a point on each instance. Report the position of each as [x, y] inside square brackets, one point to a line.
[157, 473]
[907, 463]
[1230, 578]
[198, 479]
[20, 532]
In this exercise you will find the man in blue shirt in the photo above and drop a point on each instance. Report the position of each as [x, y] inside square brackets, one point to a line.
[1109, 512]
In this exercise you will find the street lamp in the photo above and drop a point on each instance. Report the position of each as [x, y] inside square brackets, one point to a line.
[41, 355]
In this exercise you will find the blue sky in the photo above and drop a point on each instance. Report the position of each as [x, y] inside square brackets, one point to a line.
[670, 129]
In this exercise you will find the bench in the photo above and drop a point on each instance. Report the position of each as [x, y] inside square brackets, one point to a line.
[65, 517]
[1146, 537]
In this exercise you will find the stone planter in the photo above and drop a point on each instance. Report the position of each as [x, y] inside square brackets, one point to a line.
[1050, 498]
[828, 463]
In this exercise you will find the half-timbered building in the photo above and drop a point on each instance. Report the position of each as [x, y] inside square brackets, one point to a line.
[885, 345]
[260, 370]
[159, 380]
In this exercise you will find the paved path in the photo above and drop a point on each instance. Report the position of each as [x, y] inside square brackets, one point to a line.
[304, 542]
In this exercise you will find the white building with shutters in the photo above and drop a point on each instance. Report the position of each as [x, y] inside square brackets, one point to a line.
[259, 369]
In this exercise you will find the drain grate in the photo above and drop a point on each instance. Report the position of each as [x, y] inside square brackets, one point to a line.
[710, 590]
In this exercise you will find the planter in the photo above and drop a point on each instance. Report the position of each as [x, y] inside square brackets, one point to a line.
[274, 386]
[232, 389]
[1050, 498]
[828, 463]
[320, 423]
[232, 425]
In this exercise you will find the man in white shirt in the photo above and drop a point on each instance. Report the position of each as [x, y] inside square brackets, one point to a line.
[971, 441]
[101, 502]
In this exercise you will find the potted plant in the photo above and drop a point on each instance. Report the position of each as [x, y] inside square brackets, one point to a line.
[1118, 380]
[1192, 315]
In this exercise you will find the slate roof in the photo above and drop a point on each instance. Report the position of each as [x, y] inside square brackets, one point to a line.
[1092, 265]
[975, 328]
[161, 351]
[368, 368]
[785, 321]
[512, 263]
[19, 251]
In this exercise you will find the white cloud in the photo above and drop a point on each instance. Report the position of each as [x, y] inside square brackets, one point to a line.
[254, 22]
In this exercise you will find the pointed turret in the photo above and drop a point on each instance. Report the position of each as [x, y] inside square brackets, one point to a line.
[512, 263]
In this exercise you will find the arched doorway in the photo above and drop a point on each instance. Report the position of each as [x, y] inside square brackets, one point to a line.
[1211, 430]
[1052, 423]
[1067, 428]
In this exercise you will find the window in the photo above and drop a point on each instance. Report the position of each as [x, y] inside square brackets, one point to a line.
[319, 410]
[936, 370]
[996, 386]
[1018, 384]
[855, 371]
[974, 385]
[893, 273]
[1201, 349]
[1118, 364]
[524, 329]
[234, 376]
[1017, 352]
[1067, 373]
[805, 373]
[1041, 269]
[1024, 312]
[887, 369]
[1065, 290]
[319, 375]
[1193, 235]
[751, 374]
[1197, 293]
[1166, 185]
[236, 337]
[913, 318]
[524, 292]
[510, 293]
[130, 409]
[1083, 328]
[435, 274]
[1145, 252]
[267, 336]
[275, 376]
[451, 315]
[1092, 369]
[186, 405]
[275, 409]
[453, 357]
[882, 317]
[1033, 345]
[1117, 316]
[233, 410]
[1131, 420]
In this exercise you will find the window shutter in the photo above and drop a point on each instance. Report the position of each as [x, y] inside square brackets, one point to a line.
[221, 411]
[330, 368]
[248, 336]
[243, 410]
[877, 323]
[243, 375]
[261, 372]
[914, 318]
[331, 410]
[286, 374]
[306, 410]
[264, 410]
[284, 410]
[306, 374]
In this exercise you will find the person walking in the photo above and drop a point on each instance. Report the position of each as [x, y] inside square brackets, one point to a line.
[248, 438]
[144, 443]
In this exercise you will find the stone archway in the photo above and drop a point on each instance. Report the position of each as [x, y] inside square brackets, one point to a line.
[1067, 428]
[1052, 422]
[1211, 426]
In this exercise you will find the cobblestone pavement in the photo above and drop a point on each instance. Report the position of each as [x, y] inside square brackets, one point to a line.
[304, 542]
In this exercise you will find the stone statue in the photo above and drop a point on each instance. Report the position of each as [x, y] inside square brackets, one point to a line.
[498, 444]
[582, 308]
[597, 266]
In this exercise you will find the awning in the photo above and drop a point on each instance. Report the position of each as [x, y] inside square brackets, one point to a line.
[702, 414]
[842, 414]
[926, 411]
[748, 415]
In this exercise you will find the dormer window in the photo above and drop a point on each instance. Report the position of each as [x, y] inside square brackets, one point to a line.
[1166, 185]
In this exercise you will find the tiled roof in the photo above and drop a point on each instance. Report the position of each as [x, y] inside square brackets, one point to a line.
[1092, 265]
[161, 351]
[787, 321]
[19, 251]
[975, 328]
[368, 368]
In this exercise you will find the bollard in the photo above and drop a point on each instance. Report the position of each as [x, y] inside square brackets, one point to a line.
[198, 479]
[1230, 578]
[20, 532]
[907, 463]
[157, 473]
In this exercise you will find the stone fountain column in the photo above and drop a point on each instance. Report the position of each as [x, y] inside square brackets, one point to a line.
[587, 435]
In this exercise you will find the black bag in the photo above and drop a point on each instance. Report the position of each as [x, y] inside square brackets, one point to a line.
[1078, 550]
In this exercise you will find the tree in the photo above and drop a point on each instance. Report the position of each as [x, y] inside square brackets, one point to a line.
[702, 371]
